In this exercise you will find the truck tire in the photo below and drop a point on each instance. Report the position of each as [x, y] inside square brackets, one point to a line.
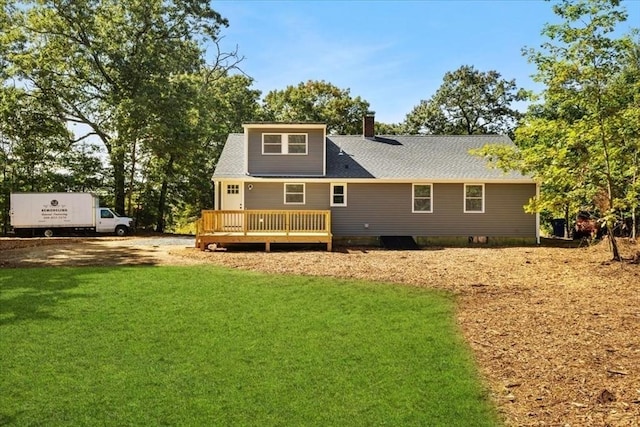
[48, 232]
[121, 230]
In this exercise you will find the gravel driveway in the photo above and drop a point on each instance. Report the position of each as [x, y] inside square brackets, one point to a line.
[156, 241]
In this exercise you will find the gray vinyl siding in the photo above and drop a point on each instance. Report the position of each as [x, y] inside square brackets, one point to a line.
[386, 208]
[270, 195]
[310, 164]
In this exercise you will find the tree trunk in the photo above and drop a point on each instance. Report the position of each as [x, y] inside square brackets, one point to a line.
[163, 196]
[614, 244]
[117, 162]
[5, 202]
[132, 176]
[161, 206]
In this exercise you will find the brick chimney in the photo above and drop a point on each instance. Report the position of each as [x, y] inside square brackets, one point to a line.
[368, 124]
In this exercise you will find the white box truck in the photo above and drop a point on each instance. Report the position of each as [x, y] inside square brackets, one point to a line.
[57, 213]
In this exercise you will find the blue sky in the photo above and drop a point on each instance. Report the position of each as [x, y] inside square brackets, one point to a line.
[391, 53]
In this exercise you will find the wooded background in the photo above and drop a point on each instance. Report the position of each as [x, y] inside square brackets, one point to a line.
[115, 97]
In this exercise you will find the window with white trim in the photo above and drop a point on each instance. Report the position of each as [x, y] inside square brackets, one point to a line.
[338, 195]
[297, 144]
[284, 143]
[474, 198]
[271, 144]
[294, 194]
[422, 198]
[233, 189]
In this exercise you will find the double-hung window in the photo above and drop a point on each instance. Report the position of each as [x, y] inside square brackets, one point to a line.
[284, 143]
[474, 198]
[338, 195]
[294, 194]
[422, 198]
[297, 144]
[271, 144]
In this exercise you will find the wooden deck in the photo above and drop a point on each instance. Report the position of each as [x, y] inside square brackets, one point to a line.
[263, 226]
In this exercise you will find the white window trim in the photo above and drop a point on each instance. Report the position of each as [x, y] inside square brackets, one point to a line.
[263, 143]
[413, 198]
[338, 184]
[464, 198]
[304, 193]
[284, 144]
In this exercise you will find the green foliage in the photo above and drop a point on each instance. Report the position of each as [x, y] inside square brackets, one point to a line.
[132, 73]
[317, 101]
[114, 66]
[389, 128]
[36, 153]
[177, 162]
[468, 102]
[210, 346]
[582, 143]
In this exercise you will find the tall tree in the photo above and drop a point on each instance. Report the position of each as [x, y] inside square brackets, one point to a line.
[99, 62]
[224, 108]
[35, 153]
[582, 142]
[389, 128]
[317, 101]
[178, 157]
[468, 102]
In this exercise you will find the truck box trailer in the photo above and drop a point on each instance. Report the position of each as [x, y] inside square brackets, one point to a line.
[49, 214]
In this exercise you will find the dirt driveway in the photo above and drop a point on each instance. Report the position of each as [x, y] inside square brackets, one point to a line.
[555, 331]
[72, 251]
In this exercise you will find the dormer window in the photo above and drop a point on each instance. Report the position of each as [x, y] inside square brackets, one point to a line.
[284, 143]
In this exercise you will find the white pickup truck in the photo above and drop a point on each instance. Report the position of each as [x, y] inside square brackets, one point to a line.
[49, 214]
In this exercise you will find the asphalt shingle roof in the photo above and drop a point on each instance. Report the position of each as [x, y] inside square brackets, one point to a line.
[415, 157]
[427, 157]
[231, 161]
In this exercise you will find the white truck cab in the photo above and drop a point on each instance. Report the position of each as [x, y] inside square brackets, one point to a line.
[111, 222]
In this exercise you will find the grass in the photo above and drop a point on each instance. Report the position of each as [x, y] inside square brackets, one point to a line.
[209, 346]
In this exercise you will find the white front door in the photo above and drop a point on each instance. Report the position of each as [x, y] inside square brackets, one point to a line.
[232, 200]
[232, 196]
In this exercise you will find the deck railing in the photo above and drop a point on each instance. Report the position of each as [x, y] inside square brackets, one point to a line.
[265, 221]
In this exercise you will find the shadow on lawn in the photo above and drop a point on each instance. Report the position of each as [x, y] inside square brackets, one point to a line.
[78, 255]
[31, 294]
[22, 298]
[6, 420]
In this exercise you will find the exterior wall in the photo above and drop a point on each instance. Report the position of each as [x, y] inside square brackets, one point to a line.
[386, 209]
[270, 195]
[310, 164]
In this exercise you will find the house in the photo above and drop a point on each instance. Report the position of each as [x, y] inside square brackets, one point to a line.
[291, 182]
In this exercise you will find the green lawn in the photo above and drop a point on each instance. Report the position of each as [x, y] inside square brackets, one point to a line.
[209, 346]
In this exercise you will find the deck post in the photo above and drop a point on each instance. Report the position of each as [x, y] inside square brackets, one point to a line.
[245, 218]
[267, 246]
[287, 222]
